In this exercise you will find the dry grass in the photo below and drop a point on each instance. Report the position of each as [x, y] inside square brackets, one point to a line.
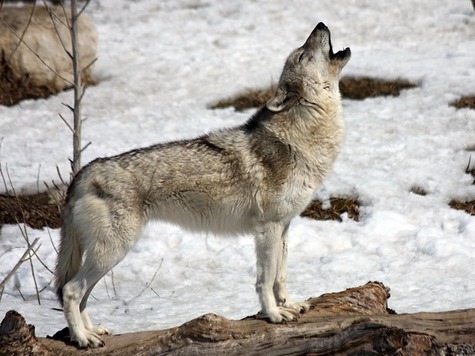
[468, 206]
[350, 87]
[366, 87]
[13, 90]
[37, 211]
[418, 190]
[338, 206]
[465, 102]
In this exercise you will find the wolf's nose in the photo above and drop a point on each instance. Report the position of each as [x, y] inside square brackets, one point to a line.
[322, 26]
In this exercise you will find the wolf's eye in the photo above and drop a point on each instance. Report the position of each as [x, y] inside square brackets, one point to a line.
[301, 56]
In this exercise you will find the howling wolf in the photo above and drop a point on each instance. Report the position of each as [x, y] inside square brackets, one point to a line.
[251, 179]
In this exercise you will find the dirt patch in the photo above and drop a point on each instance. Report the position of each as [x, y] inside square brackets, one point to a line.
[350, 88]
[38, 210]
[464, 102]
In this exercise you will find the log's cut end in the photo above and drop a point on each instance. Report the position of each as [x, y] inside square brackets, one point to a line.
[16, 334]
[369, 299]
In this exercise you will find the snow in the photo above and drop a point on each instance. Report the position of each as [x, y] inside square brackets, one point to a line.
[161, 63]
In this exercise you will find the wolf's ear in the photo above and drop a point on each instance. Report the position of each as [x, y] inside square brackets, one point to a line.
[281, 100]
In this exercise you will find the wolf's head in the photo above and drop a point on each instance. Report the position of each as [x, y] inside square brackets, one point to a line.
[309, 70]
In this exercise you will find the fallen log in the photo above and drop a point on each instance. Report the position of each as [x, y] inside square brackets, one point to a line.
[355, 321]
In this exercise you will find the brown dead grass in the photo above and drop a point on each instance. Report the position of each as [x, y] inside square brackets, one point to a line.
[37, 210]
[350, 87]
[464, 102]
[338, 206]
[13, 90]
[366, 87]
[468, 206]
[418, 190]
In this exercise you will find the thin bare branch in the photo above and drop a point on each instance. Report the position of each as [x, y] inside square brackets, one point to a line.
[38, 179]
[9, 180]
[23, 33]
[86, 146]
[36, 54]
[19, 263]
[59, 19]
[67, 123]
[4, 180]
[113, 283]
[467, 169]
[147, 285]
[53, 16]
[52, 242]
[60, 176]
[83, 8]
[89, 65]
[41, 261]
[68, 106]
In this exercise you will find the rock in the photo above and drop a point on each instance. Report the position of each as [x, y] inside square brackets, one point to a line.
[38, 65]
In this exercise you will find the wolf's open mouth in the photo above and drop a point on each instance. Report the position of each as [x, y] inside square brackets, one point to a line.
[340, 54]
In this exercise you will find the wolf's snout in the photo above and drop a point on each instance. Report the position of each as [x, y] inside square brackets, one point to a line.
[322, 26]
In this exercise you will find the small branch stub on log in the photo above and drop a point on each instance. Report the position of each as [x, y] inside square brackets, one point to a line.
[355, 321]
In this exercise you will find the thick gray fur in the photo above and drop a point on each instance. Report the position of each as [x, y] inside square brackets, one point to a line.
[251, 179]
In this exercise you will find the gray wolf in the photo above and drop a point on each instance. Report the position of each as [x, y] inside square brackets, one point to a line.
[251, 179]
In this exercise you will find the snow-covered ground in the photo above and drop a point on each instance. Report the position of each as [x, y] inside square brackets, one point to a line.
[161, 63]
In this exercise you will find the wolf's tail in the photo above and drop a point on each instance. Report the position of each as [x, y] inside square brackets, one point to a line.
[69, 255]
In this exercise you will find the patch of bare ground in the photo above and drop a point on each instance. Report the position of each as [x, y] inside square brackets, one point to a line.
[356, 88]
[39, 210]
[464, 102]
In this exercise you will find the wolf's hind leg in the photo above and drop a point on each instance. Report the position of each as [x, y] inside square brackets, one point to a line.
[75, 294]
[110, 236]
[280, 289]
[99, 330]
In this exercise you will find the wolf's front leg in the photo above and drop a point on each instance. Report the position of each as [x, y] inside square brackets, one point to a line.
[280, 289]
[268, 251]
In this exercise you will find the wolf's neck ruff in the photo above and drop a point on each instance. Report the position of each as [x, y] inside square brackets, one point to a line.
[250, 179]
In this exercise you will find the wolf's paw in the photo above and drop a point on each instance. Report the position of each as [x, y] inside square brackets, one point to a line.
[299, 307]
[100, 330]
[87, 339]
[282, 314]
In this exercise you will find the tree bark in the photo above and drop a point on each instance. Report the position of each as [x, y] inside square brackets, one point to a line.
[355, 321]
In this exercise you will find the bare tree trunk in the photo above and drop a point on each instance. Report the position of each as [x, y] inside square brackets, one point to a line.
[78, 90]
[353, 322]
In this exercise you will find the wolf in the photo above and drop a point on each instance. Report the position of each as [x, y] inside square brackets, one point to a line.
[250, 179]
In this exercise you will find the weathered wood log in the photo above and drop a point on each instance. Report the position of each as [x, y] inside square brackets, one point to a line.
[355, 321]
